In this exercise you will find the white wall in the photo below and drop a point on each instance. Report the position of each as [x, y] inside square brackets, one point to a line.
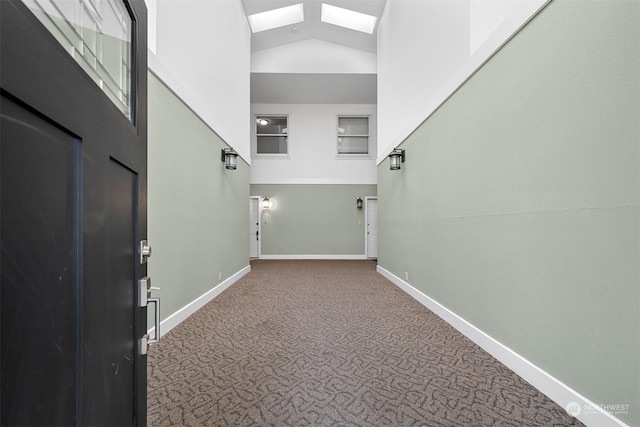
[313, 56]
[205, 46]
[485, 16]
[313, 147]
[424, 55]
[152, 19]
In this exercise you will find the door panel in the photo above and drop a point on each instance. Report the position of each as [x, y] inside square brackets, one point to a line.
[111, 336]
[254, 228]
[78, 194]
[40, 269]
[372, 228]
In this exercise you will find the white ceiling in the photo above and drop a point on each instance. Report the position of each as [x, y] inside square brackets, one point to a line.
[317, 88]
[272, 88]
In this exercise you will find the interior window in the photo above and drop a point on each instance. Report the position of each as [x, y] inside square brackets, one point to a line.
[353, 135]
[272, 135]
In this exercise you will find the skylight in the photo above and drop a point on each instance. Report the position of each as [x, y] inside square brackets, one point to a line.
[276, 18]
[348, 18]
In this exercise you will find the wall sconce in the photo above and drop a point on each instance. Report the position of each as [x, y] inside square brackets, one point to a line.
[359, 202]
[229, 157]
[396, 158]
[266, 204]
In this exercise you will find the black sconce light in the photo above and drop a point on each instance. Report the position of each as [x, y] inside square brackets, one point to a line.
[396, 158]
[229, 157]
[266, 204]
[359, 202]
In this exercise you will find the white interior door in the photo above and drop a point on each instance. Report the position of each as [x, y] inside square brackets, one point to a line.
[372, 227]
[254, 227]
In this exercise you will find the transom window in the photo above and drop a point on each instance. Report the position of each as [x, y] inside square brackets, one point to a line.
[272, 135]
[353, 135]
[98, 34]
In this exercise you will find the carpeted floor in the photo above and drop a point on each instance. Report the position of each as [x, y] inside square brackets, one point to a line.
[331, 343]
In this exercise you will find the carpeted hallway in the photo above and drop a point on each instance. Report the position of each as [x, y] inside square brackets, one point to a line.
[331, 343]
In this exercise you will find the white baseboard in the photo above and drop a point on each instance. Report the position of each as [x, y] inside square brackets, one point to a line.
[176, 318]
[333, 257]
[585, 410]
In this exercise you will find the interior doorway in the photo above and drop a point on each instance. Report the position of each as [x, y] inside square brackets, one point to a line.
[371, 220]
[254, 227]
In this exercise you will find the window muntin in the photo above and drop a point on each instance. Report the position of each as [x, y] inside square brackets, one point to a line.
[98, 35]
[272, 135]
[353, 136]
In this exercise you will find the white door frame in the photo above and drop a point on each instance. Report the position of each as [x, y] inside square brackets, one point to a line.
[259, 199]
[366, 222]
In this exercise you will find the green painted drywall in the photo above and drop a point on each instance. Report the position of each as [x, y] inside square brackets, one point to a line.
[518, 205]
[313, 219]
[197, 208]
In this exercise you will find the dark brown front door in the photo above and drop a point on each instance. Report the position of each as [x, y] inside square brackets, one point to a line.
[73, 211]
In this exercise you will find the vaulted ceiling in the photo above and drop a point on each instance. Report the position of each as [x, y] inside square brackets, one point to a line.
[314, 87]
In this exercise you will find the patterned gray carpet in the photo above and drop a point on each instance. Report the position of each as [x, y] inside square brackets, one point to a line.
[331, 343]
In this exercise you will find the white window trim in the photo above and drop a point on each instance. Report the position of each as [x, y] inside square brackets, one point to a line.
[345, 156]
[254, 138]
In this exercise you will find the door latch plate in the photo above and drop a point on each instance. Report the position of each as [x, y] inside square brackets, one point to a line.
[145, 251]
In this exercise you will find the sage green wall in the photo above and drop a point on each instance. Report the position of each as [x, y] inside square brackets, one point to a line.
[313, 219]
[518, 205]
[197, 208]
